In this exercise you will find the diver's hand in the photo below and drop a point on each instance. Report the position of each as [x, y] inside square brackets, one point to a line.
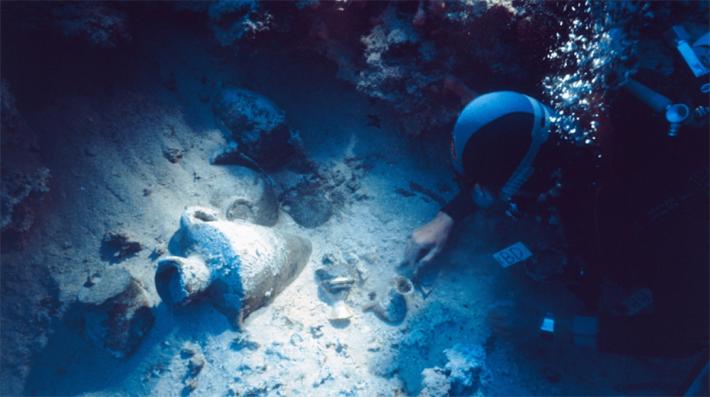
[428, 241]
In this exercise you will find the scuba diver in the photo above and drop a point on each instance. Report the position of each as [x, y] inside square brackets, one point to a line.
[508, 159]
[503, 154]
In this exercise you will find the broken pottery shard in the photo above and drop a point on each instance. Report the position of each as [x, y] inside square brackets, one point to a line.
[258, 205]
[258, 126]
[403, 285]
[116, 312]
[339, 284]
[238, 266]
[340, 313]
[392, 309]
[247, 195]
[308, 209]
[334, 284]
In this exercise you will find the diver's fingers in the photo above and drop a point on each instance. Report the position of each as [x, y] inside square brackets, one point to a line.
[429, 256]
[424, 262]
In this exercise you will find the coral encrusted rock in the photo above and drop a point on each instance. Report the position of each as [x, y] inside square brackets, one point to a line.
[257, 126]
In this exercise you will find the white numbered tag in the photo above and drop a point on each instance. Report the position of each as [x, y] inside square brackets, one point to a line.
[517, 252]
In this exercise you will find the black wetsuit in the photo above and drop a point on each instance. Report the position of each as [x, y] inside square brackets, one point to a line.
[501, 141]
[492, 137]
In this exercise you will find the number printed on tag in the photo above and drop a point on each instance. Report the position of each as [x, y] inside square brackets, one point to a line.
[517, 252]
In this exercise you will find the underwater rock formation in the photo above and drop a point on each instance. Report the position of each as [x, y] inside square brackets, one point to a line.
[400, 69]
[232, 21]
[461, 376]
[116, 313]
[312, 200]
[20, 194]
[238, 266]
[435, 383]
[410, 57]
[258, 126]
[309, 209]
[25, 180]
[96, 22]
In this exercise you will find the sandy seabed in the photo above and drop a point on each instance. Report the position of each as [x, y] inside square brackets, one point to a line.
[105, 149]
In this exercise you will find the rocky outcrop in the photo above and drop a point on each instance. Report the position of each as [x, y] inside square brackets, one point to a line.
[25, 179]
[258, 128]
[312, 199]
[439, 52]
[461, 376]
[100, 24]
[402, 68]
[233, 21]
[21, 193]
[29, 304]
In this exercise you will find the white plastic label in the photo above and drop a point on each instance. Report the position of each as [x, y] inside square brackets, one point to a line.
[548, 325]
[517, 252]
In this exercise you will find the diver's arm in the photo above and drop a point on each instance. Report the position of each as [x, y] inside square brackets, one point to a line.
[461, 206]
[429, 240]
